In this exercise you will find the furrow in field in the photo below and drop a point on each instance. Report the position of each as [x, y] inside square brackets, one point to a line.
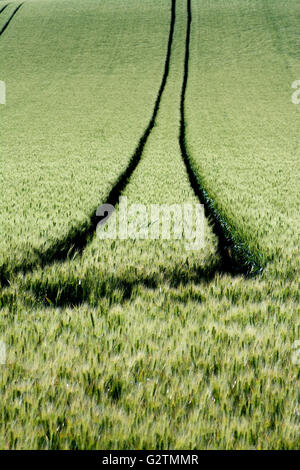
[242, 122]
[123, 179]
[10, 18]
[3, 8]
[236, 255]
[77, 239]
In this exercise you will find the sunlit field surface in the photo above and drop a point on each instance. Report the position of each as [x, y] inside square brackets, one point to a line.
[139, 343]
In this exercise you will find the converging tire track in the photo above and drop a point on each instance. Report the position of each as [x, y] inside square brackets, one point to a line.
[10, 18]
[78, 238]
[235, 253]
[236, 256]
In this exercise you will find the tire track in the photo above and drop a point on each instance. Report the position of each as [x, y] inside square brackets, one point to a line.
[123, 179]
[236, 255]
[79, 237]
[3, 8]
[10, 18]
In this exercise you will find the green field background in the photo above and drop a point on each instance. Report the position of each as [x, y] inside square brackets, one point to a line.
[142, 344]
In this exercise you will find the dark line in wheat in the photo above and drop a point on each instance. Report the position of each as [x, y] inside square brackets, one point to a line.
[79, 237]
[235, 253]
[124, 177]
[3, 8]
[10, 18]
